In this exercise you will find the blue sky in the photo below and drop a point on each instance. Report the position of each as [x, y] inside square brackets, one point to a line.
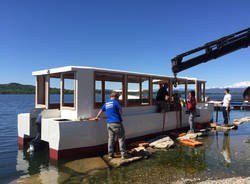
[133, 35]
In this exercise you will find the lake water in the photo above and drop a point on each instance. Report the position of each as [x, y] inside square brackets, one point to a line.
[221, 155]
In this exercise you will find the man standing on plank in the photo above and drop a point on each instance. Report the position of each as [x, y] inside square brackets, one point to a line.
[226, 106]
[114, 125]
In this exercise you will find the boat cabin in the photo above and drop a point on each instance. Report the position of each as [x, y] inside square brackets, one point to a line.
[80, 91]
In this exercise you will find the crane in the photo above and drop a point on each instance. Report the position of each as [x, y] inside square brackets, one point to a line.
[212, 50]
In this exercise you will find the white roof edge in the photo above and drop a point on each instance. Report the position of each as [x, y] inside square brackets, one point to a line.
[74, 68]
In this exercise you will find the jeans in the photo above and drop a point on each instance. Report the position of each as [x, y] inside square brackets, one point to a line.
[225, 115]
[191, 119]
[116, 130]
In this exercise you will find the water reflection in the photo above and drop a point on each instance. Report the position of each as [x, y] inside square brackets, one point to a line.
[226, 151]
[32, 163]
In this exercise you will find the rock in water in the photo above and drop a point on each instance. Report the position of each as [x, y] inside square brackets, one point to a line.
[238, 122]
[162, 143]
[50, 176]
[87, 165]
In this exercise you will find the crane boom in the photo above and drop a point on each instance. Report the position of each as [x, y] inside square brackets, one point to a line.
[212, 50]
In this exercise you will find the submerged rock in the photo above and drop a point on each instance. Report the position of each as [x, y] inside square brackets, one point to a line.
[45, 177]
[238, 122]
[162, 143]
[87, 165]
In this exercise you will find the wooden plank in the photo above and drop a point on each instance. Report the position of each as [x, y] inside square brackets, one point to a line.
[150, 91]
[62, 92]
[204, 92]
[103, 91]
[140, 90]
[186, 86]
[125, 90]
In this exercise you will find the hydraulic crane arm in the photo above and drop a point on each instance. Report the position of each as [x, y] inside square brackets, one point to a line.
[212, 50]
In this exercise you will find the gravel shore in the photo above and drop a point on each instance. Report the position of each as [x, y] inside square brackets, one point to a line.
[236, 180]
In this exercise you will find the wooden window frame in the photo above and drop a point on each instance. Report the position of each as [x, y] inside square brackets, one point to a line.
[139, 104]
[98, 105]
[39, 92]
[63, 107]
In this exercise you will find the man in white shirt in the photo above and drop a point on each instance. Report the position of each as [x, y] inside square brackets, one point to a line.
[226, 106]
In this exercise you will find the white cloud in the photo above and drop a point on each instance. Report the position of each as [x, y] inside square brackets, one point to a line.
[242, 84]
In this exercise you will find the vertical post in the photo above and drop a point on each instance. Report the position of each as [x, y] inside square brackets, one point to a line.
[204, 92]
[62, 92]
[150, 93]
[47, 86]
[140, 89]
[186, 85]
[125, 90]
[103, 91]
[200, 92]
[36, 97]
[197, 90]
[75, 89]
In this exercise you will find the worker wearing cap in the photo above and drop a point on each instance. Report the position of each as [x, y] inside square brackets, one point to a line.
[114, 125]
[226, 106]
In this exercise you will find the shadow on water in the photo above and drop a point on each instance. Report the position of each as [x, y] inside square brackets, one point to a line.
[223, 154]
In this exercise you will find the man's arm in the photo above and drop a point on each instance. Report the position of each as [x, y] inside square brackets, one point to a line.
[98, 115]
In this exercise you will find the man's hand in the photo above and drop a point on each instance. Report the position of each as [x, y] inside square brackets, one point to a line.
[96, 118]
[98, 115]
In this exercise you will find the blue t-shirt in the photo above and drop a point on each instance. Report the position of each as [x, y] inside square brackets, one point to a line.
[112, 108]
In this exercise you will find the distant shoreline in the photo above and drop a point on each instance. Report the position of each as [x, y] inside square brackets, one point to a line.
[16, 88]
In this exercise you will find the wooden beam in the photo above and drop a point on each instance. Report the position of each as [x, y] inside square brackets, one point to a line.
[196, 90]
[125, 90]
[103, 91]
[150, 91]
[62, 92]
[140, 90]
[47, 86]
[186, 87]
[37, 90]
[204, 92]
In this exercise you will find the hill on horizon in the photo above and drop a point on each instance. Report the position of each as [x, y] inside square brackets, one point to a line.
[16, 88]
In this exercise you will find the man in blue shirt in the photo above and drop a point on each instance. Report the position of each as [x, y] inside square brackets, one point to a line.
[114, 125]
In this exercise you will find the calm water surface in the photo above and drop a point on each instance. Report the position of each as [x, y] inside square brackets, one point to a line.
[222, 155]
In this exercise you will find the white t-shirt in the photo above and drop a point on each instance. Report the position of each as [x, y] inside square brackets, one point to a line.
[226, 100]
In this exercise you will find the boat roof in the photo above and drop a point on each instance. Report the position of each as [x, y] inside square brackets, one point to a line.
[77, 68]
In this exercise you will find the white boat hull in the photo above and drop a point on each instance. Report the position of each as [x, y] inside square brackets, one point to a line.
[67, 138]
